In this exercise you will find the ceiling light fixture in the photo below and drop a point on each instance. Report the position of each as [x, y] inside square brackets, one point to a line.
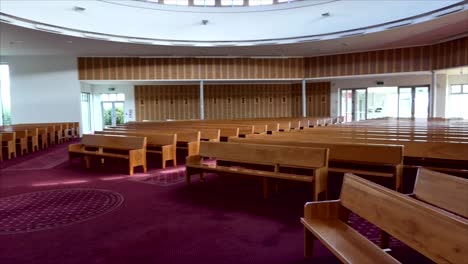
[79, 8]
[327, 14]
[205, 22]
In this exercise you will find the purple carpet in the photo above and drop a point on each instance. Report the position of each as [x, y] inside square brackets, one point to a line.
[37, 211]
[224, 220]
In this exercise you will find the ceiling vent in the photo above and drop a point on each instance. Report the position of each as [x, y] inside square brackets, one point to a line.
[48, 28]
[448, 11]
[400, 24]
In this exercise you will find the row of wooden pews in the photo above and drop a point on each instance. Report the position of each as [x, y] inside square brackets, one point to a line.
[21, 139]
[432, 220]
[168, 138]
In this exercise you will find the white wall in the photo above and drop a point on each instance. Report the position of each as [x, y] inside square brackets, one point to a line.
[364, 82]
[44, 89]
[96, 109]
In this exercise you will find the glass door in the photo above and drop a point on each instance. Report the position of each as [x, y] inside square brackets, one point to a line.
[354, 104]
[421, 102]
[112, 113]
[347, 104]
[405, 102]
[360, 104]
[413, 102]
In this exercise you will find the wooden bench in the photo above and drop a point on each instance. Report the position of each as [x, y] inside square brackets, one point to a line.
[130, 148]
[156, 143]
[363, 159]
[275, 157]
[9, 144]
[435, 233]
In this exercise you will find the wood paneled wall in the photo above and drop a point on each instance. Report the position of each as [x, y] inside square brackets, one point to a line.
[100, 68]
[445, 55]
[252, 101]
[318, 99]
[450, 54]
[162, 102]
[230, 101]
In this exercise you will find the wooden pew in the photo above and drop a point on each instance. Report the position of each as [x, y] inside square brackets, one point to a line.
[441, 156]
[130, 148]
[9, 144]
[363, 159]
[442, 190]
[156, 143]
[276, 157]
[22, 141]
[433, 232]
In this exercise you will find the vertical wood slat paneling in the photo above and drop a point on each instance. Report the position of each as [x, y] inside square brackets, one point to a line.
[444, 55]
[318, 99]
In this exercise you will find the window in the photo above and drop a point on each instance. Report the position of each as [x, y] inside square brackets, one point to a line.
[459, 89]
[113, 97]
[457, 100]
[5, 106]
[260, 2]
[86, 112]
[232, 2]
[204, 2]
[176, 2]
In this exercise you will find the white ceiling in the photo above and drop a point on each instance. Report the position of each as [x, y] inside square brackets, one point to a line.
[20, 41]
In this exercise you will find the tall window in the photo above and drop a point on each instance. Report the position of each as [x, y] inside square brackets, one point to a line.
[458, 97]
[204, 2]
[260, 2]
[176, 2]
[232, 2]
[5, 107]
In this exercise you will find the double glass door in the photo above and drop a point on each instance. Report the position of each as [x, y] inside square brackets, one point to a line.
[354, 104]
[112, 113]
[413, 102]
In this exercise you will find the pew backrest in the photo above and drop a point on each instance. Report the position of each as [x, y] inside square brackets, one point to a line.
[435, 233]
[442, 190]
[266, 154]
[114, 142]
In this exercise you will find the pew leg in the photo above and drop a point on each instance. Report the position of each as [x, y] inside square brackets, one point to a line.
[163, 163]
[384, 240]
[202, 177]
[144, 168]
[88, 162]
[187, 178]
[130, 171]
[308, 243]
[266, 189]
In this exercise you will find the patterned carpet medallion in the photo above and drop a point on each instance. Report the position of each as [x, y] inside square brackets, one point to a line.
[37, 211]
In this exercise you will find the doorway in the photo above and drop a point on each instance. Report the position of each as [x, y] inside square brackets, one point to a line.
[354, 104]
[413, 102]
[112, 113]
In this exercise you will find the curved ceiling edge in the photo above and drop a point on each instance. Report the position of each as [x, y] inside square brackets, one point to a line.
[451, 9]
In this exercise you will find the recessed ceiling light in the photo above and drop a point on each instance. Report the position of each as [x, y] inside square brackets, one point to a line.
[69, 41]
[79, 8]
